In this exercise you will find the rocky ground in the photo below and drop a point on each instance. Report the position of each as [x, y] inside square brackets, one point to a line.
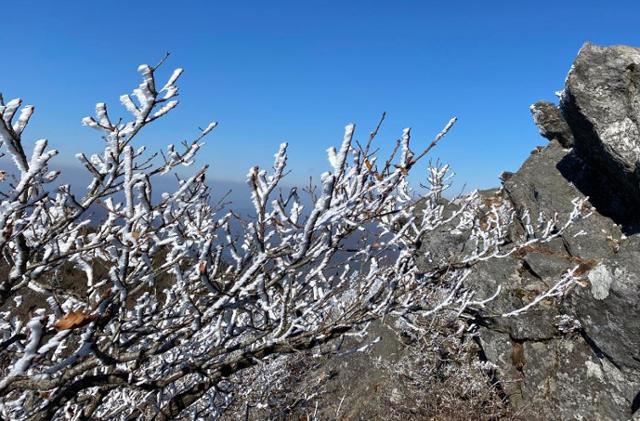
[590, 368]
[575, 358]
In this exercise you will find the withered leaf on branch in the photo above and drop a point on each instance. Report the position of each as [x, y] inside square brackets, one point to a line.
[74, 319]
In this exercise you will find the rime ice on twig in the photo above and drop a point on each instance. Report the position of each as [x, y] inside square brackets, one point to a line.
[188, 295]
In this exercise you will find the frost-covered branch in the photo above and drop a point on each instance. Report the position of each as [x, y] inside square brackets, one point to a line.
[147, 313]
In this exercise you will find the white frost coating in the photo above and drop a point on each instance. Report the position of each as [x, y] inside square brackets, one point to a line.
[23, 120]
[601, 279]
[173, 79]
[191, 287]
[129, 105]
[30, 351]
[406, 156]
[165, 109]
[333, 157]
[101, 113]
[147, 73]
[209, 127]
[619, 138]
[10, 110]
[594, 370]
[341, 156]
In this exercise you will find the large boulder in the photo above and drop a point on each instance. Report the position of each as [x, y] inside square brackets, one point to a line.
[575, 357]
[601, 103]
[578, 358]
[563, 371]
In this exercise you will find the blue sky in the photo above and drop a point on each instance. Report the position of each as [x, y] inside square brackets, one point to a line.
[298, 71]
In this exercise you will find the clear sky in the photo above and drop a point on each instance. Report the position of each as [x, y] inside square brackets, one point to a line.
[271, 71]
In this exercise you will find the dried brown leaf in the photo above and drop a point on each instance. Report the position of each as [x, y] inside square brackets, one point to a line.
[73, 320]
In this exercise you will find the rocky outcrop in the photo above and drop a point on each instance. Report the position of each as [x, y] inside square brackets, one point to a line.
[573, 358]
[551, 123]
[579, 358]
[601, 103]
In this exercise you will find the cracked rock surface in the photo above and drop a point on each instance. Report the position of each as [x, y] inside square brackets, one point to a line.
[574, 358]
[579, 359]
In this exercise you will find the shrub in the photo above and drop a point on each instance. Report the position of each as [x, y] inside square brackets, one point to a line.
[173, 302]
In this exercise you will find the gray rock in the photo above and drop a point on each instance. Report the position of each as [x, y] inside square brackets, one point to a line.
[569, 381]
[547, 263]
[540, 187]
[601, 103]
[444, 243]
[608, 309]
[551, 123]
[578, 356]
[562, 378]
[590, 370]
